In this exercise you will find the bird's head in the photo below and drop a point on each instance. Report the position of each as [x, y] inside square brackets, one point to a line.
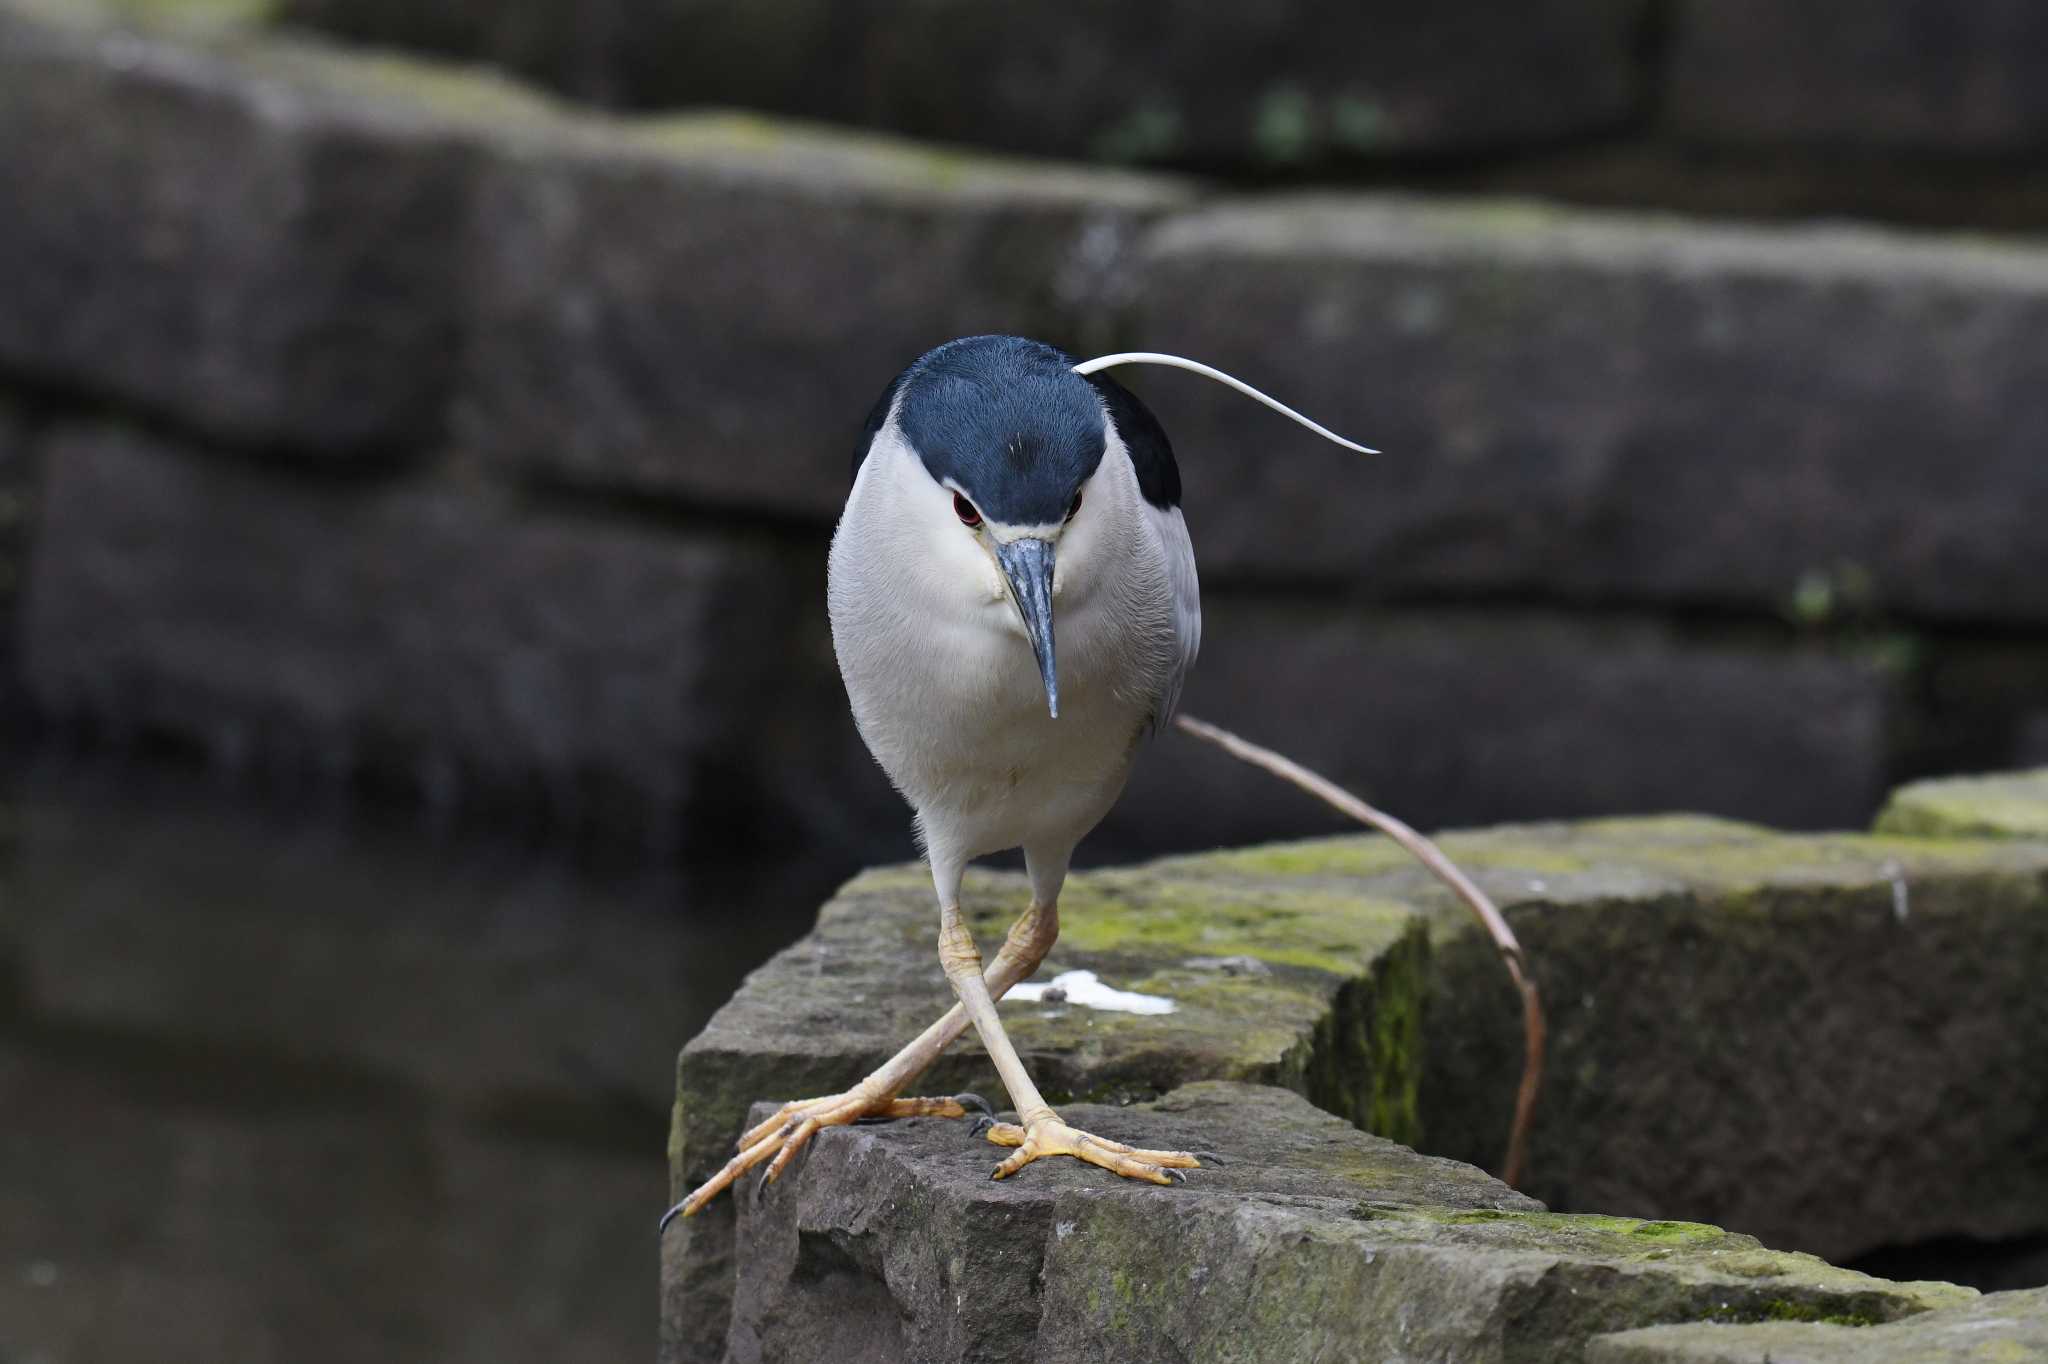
[1011, 441]
[1026, 473]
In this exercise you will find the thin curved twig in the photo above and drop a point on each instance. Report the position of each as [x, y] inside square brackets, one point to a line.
[1534, 1028]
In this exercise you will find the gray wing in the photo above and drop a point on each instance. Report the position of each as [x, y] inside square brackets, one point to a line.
[1172, 529]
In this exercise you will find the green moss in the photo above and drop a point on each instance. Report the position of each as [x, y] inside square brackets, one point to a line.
[1149, 911]
[755, 135]
[1364, 856]
[210, 12]
[2006, 805]
[1625, 1235]
[1672, 1231]
[813, 152]
[1359, 123]
[465, 93]
[1786, 1309]
[1364, 1060]
[197, 16]
[1394, 1043]
[1151, 132]
[1283, 125]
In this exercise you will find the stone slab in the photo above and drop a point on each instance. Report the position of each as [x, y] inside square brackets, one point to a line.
[1935, 77]
[2000, 805]
[1997, 1327]
[1288, 85]
[707, 309]
[1311, 1240]
[1595, 407]
[221, 244]
[1476, 715]
[591, 667]
[1775, 1033]
[1274, 984]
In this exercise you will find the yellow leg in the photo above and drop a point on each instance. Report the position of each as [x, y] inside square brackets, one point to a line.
[778, 1139]
[1042, 1133]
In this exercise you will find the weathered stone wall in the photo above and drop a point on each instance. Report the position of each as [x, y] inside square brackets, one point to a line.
[391, 418]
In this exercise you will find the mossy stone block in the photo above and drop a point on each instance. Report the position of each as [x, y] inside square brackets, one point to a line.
[1309, 1240]
[1277, 981]
[2000, 805]
[1758, 1029]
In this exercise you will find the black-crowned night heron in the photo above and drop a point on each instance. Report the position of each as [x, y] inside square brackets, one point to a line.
[1000, 485]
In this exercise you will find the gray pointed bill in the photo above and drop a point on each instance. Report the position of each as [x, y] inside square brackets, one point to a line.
[1028, 565]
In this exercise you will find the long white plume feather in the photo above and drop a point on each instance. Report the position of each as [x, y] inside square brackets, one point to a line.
[1147, 357]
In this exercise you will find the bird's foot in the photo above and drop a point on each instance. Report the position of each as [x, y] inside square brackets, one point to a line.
[1051, 1137]
[793, 1125]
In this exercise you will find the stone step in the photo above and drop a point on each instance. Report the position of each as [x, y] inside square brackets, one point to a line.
[1581, 406]
[1285, 86]
[2002, 805]
[1998, 1326]
[466, 640]
[1958, 80]
[1309, 1240]
[1412, 706]
[226, 241]
[1295, 85]
[704, 308]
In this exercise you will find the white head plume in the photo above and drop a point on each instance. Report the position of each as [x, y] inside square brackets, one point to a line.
[1147, 357]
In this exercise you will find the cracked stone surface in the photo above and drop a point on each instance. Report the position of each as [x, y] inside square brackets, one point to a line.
[1273, 981]
[1311, 1241]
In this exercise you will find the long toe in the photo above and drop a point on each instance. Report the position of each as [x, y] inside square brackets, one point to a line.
[779, 1138]
[1051, 1137]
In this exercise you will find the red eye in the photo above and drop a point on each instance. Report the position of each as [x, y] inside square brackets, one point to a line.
[964, 509]
[1074, 506]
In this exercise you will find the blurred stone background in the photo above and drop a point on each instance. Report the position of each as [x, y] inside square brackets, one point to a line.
[443, 408]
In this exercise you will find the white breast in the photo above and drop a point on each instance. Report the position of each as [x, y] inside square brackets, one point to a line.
[941, 677]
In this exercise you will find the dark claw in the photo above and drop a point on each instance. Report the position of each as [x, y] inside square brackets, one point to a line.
[666, 1218]
[761, 1184]
[1177, 1173]
[976, 1102]
[981, 1125]
[1208, 1158]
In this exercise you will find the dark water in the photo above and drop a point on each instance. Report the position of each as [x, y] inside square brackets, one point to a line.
[311, 1085]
